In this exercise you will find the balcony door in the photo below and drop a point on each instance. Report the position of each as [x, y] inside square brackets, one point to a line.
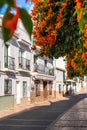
[21, 55]
[6, 50]
[6, 55]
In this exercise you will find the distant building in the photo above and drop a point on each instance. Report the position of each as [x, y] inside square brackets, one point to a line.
[60, 76]
[42, 77]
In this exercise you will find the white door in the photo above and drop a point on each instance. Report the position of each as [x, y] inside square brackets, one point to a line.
[18, 95]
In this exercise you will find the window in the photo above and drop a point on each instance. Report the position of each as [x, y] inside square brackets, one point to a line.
[20, 56]
[6, 55]
[35, 59]
[45, 62]
[24, 89]
[6, 50]
[60, 88]
[7, 87]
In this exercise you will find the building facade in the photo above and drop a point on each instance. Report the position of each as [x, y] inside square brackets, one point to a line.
[42, 78]
[15, 66]
[60, 78]
[24, 77]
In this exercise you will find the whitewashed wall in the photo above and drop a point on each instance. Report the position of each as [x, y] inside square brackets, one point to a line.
[1, 53]
[13, 51]
[60, 63]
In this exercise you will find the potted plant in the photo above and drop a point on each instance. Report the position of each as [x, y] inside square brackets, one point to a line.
[20, 65]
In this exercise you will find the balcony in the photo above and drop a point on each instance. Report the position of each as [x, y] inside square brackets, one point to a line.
[9, 63]
[43, 69]
[24, 64]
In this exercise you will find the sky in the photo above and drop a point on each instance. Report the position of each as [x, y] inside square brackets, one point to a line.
[21, 3]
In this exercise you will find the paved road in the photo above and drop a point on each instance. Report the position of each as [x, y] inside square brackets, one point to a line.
[39, 118]
[73, 119]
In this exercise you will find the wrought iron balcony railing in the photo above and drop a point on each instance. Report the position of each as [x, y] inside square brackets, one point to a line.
[43, 69]
[9, 62]
[24, 63]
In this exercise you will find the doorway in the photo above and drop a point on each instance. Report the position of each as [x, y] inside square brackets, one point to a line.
[45, 92]
[18, 93]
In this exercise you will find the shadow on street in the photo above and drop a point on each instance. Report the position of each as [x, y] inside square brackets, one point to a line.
[39, 118]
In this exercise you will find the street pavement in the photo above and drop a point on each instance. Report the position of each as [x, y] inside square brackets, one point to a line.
[73, 119]
[67, 114]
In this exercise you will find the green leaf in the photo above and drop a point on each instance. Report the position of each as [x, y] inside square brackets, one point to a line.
[45, 2]
[6, 32]
[2, 2]
[76, 11]
[81, 25]
[10, 2]
[84, 17]
[26, 20]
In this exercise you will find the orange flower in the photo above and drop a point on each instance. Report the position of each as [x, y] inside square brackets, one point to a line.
[58, 25]
[84, 58]
[85, 44]
[64, 4]
[78, 4]
[12, 22]
[85, 33]
[50, 10]
[76, 56]
[73, 64]
[39, 0]
[85, 26]
[80, 15]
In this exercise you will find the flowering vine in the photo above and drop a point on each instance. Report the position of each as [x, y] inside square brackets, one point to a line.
[47, 23]
[58, 30]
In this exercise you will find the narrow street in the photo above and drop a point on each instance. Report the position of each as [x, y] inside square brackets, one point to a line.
[73, 119]
[40, 118]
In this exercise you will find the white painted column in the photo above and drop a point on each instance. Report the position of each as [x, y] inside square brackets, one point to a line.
[18, 93]
[53, 89]
[41, 86]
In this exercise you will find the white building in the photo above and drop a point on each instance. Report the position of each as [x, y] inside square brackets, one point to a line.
[25, 78]
[42, 77]
[60, 73]
[15, 66]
